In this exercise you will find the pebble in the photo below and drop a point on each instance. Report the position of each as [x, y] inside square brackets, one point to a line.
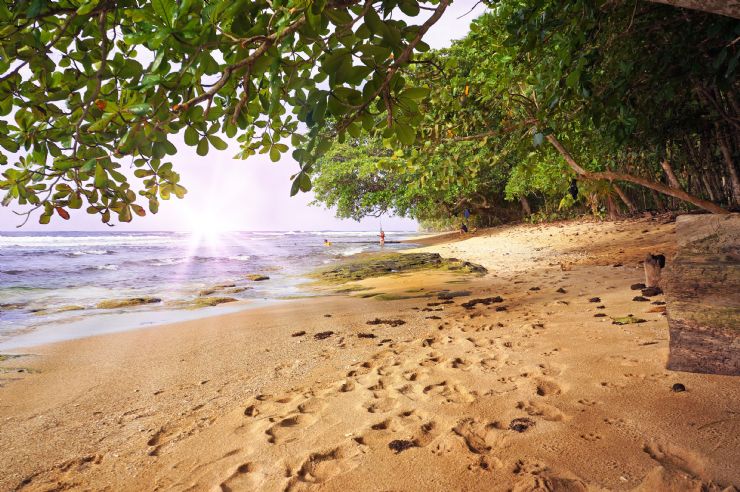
[678, 388]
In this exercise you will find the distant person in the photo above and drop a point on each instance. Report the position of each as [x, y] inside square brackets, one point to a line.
[463, 228]
[382, 238]
[327, 242]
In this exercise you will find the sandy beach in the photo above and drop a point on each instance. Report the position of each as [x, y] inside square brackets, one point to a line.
[515, 380]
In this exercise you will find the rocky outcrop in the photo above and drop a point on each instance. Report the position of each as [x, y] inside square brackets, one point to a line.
[702, 286]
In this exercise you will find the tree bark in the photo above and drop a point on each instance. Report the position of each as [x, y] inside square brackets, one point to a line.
[623, 196]
[672, 179]
[525, 205]
[734, 180]
[611, 176]
[658, 201]
[730, 8]
[612, 207]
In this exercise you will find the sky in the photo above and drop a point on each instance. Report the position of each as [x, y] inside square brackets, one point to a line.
[243, 195]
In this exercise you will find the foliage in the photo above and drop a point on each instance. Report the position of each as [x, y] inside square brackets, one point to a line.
[89, 86]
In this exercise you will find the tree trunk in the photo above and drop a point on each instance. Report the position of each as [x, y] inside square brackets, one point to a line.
[734, 180]
[612, 207]
[525, 205]
[658, 201]
[610, 176]
[730, 8]
[672, 179]
[623, 196]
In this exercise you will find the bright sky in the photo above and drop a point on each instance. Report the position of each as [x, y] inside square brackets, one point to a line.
[224, 193]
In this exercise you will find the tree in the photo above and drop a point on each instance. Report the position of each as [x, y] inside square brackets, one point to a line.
[88, 85]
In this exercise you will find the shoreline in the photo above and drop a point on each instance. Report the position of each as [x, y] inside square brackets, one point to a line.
[429, 369]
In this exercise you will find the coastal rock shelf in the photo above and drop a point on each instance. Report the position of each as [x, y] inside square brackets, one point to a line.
[378, 265]
[702, 288]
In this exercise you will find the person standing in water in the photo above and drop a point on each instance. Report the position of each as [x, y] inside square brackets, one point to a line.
[382, 238]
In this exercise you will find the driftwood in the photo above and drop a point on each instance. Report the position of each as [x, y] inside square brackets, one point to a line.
[702, 286]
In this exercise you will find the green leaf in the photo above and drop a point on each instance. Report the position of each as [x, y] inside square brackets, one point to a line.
[191, 136]
[87, 7]
[101, 178]
[217, 142]
[202, 148]
[415, 92]
[405, 133]
[139, 109]
[274, 154]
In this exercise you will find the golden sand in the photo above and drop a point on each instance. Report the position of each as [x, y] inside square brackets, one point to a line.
[536, 392]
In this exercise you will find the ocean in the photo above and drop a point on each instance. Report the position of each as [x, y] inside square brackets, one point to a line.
[43, 274]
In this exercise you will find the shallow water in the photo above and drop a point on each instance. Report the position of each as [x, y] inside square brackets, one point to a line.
[42, 272]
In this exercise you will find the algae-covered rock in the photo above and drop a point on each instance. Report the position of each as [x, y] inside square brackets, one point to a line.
[211, 301]
[256, 277]
[70, 307]
[377, 265]
[130, 302]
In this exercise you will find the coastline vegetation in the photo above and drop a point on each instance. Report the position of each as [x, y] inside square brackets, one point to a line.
[543, 109]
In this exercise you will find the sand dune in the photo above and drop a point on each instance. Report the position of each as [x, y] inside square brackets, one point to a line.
[535, 391]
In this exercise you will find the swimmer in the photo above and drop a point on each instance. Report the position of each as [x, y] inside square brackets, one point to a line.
[327, 242]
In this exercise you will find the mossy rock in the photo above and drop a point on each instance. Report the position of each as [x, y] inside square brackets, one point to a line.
[627, 320]
[378, 265]
[211, 301]
[130, 302]
[235, 290]
[12, 306]
[256, 277]
[71, 307]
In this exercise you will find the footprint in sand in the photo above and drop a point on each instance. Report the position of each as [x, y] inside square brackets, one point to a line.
[479, 437]
[541, 409]
[321, 467]
[547, 387]
[246, 476]
[449, 392]
[591, 436]
[284, 429]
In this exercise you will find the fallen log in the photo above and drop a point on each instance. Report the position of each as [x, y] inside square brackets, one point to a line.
[702, 287]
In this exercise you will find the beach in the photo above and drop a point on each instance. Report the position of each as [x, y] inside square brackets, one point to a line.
[517, 379]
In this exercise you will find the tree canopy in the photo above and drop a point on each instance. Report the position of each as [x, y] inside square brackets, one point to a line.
[539, 93]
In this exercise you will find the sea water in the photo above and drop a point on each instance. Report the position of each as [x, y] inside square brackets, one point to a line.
[42, 273]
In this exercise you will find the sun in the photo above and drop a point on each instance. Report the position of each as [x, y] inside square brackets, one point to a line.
[206, 228]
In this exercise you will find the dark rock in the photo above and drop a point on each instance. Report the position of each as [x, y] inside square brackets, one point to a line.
[640, 299]
[651, 291]
[534, 288]
[454, 293]
[298, 334]
[399, 445]
[658, 303]
[617, 265]
[433, 317]
[678, 388]
[256, 277]
[521, 424]
[322, 335]
[637, 286]
[366, 335]
[561, 291]
[595, 299]
[601, 307]
[327, 316]
[485, 301]
[391, 322]
[599, 315]
[500, 308]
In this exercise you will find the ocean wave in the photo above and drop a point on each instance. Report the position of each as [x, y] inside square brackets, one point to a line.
[95, 252]
[353, 251]
[240, 258]
[68, 241]
[108, 266]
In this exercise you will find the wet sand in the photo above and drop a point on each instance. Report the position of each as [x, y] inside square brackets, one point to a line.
[535, 391]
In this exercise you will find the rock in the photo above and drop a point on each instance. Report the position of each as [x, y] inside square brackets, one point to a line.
[561, 291]
[256, 277]
[651, 291]
[637, 286]
[678, 388]
[323, 335]
[595, 299]
[521, 424]
[399, 445]
[130, 302]
[534, 288]
[391, 322]
[599, 315]
[298, 334]
[701, 288]
[627, 320]
[485, 301]
[211, 301]
[640, 299]
[366, 335]
[454, 293]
